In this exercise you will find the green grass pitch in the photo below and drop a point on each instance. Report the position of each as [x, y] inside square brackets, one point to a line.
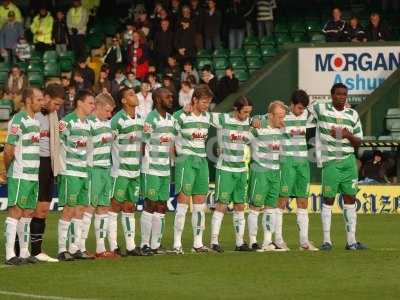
[338, 274]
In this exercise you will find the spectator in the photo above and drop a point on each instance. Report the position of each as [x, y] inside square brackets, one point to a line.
[16, 83]
[175, 11]
[69, 103]
[77, 19]
[173, 70]
[354, 32]
[265, 16]
[138, 56]
[184, 41]
[127, 36]
[7, 7]
[228, 84]
[374, 170]
[161, 15]
[114, 56]
[131, 81]
[143, 24]
[197, 14]
[334, 29]
[103, 85]
[78, 81]
[86, 72]
[163, 44]
[9, 36]
[236, 23]
[207, 77]
[42, 28]
[145, 100]
[168, 83]
[186, 93]
[60, 32]
[189, 71]
[212, 26]
[23, 50]
[377, 30]
[152, 79]
[117, 84]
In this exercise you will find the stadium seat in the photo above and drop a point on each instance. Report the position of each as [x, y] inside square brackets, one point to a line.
[250, 41]
[3, 77]
[313, 26]
[254, 63]
[50, 56]
[317, 38]
[242, 75]
[236, 53]
[220, 63]
[95, 41]
[299, 38]
[297, 27]
[204, 53]
[36, 56]
[220, 53]
[36, 79]
[52, 69]
[238, 63]
[35, 67]
[252, 52]
[268, 51]
[219, 73]
[283, 39]
[396, 135]
[267, 40]
[203, 62]
[395, 126]
[109, 29]
[4, 67]
[23, 65]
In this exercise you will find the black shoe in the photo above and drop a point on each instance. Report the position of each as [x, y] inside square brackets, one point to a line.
[244, 247]
[65, 256]
[202, 249]
[134, 252]
[30, 260]
[255, 247]
[216, 248]
[13, 261]
[119, 252]
[159, 251]
[146, 251]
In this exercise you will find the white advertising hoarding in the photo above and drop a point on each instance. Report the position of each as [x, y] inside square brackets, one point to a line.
[361, 69]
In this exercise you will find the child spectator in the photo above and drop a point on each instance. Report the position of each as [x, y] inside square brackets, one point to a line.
[189, 71]
[186, 93]
[23, 50]
[173, 70]
[145, 100]
[131, 81]
[152, 79]
[103, 85]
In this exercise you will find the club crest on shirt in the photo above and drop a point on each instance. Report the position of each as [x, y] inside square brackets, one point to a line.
[164, 139]
[35, 138]
[14, 129]
[62, 126]
[274, 147]
[133, 138]
[147, 128]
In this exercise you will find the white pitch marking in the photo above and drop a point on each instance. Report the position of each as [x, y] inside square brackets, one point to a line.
[33, 296]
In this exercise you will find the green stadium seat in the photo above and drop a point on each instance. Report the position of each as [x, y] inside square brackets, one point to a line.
[219, 73]
[252, 52]
[250, 41]
[238, 63]
[201, 62]
[36, 56]
[35, 66]
[254, 63]
[281, 28]
[395, 125]
[267, 40]
[220, 52]
[109, 29]
[396, 136]
[220, 63]
[242, 74]
[36, 79]
[283, 39]
[94, 41]
[4, 67]
[50, 56]
[236, 53]
[52, 69]
[313, 26]
[204, 53]
[251, 71]
[297, 27]
[299, 38]
[317, 38]
[3, 77]
[23, 65]
[268, 51]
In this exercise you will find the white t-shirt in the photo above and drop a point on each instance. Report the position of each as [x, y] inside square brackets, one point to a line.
[145, 104]
[185, 98]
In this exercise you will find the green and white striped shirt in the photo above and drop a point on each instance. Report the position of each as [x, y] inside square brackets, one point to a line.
[294, 143]
[24, 134]
[100, 142]
[74, 135]
[192, 132]
[327, 117]
[159, 136]
[126, 148]
[233, 135]
[266, 146]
